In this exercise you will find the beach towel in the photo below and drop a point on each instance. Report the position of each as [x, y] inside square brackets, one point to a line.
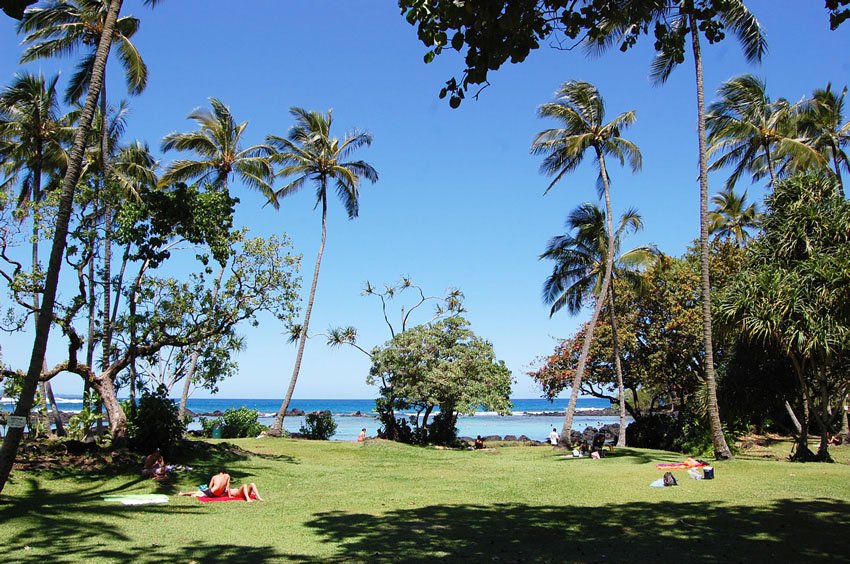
[228, 498]
[136, 499]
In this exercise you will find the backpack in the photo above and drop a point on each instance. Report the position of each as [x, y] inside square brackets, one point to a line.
[669, 479]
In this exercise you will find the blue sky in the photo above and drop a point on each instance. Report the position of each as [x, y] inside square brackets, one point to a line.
[460, 201]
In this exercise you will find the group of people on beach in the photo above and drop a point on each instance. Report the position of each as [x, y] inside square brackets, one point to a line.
[154, 466]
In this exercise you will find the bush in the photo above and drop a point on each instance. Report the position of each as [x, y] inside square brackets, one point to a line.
[679, 432]
[235, 424]
[157, 423]
[319, 425]
[80, 425]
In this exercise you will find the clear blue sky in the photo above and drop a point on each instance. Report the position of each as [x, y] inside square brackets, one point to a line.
[459, 202]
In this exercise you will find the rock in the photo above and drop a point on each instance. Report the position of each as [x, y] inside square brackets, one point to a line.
[295, 412]
[510, 437]
[79, 447]
[492, 438]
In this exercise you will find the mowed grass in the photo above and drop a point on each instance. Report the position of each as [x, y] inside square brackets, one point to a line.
[385, 502]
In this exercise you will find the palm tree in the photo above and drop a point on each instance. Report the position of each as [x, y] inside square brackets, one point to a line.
[821, 123]
[732, 218]
[582, 110]
[674, 22]
[309, 152]
[218, 143]
[580, 271]
[752, 132]
[34, 133]
[66, 27]
[66, 201]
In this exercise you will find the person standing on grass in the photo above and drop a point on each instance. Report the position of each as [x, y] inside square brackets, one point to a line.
[554, 437]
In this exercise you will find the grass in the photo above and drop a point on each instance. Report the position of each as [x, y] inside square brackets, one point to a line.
[331, 501]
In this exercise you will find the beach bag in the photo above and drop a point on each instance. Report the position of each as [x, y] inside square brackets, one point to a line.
[708, 473]
[669, 479]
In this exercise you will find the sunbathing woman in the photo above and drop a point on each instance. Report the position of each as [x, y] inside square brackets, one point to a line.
[219, 486]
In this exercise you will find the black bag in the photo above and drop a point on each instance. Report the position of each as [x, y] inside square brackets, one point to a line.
[669, 479]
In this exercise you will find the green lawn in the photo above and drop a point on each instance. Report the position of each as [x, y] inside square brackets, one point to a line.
[387, 502]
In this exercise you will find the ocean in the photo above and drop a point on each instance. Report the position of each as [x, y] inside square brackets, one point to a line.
[526, 418]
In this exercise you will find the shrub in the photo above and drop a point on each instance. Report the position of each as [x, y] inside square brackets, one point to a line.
[156, 424]
[240, 423]
[319, 425]
[80, 425]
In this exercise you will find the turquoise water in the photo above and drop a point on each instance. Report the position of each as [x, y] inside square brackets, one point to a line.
[521, 422]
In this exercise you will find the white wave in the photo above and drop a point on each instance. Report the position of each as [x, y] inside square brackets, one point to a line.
[69, 400]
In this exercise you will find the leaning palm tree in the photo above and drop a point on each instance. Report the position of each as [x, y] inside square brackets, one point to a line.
[752, 133]
[732, 218]
[64, 27]
[35, 134]
[821, 123]
[581, 109]
[66, 201]
[309, 152]
[218, 144]
[580, 269]
[677, 22]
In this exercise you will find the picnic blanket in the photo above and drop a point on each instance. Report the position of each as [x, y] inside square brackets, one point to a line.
[136, 499]
[689, 463]
[228, 498]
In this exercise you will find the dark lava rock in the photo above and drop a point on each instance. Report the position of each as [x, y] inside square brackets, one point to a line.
[510, 437]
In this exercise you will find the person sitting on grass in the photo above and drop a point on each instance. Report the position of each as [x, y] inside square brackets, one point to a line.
[154, 466]
[361, 438]
[479, 443]
[219, 486]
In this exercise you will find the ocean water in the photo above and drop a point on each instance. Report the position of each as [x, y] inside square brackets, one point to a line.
[525, 419]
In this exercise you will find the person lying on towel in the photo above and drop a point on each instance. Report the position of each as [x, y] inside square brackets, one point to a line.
[219, 486]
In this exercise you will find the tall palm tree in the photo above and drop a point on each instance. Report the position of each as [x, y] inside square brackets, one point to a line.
[309, 152]
[580, 269]
[66, 201]
[732, 218]
[218, 143]
[677, 22]
[35, 133]
[581, 109]
[753, 133]
[821, 123]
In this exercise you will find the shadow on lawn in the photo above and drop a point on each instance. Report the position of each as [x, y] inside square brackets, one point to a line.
[79, 526]
[660, 531]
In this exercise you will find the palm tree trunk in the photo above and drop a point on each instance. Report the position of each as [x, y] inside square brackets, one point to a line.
[66, 202]
[618, 369]
[277, 427]
[837, 171]
[770, 166]
[106, 352]
[721, 449]
[566, 430]
[184, 397]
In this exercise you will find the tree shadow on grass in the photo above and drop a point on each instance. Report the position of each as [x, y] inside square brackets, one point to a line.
[785, 530]
[80, 526]
[627, 455]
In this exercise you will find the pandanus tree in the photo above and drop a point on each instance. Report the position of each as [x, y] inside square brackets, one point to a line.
[753, 133]
[218, 144]
[581, 266]
[581, 110]
[33, 134]
[66, 200]
[732, 218]
[821, 123]
[310, 153]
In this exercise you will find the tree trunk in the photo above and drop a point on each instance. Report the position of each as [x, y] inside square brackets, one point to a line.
[618, 368]
[66, 201]
[184, 397]
[277, 427]
[793, 416]
[566, 430]
[845, 421]
[114, 413]
[837, 170]
[721, 449]
[106, 350]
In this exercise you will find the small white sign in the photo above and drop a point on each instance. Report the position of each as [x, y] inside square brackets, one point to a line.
[16, 421]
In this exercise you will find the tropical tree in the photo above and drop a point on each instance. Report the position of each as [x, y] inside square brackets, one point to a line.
[218, 144]
[66, 200]
[732, 218]
[581, 109]
[580, 269]
[309, 152]
[821, 124]
[752, 133]
[34, 134]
